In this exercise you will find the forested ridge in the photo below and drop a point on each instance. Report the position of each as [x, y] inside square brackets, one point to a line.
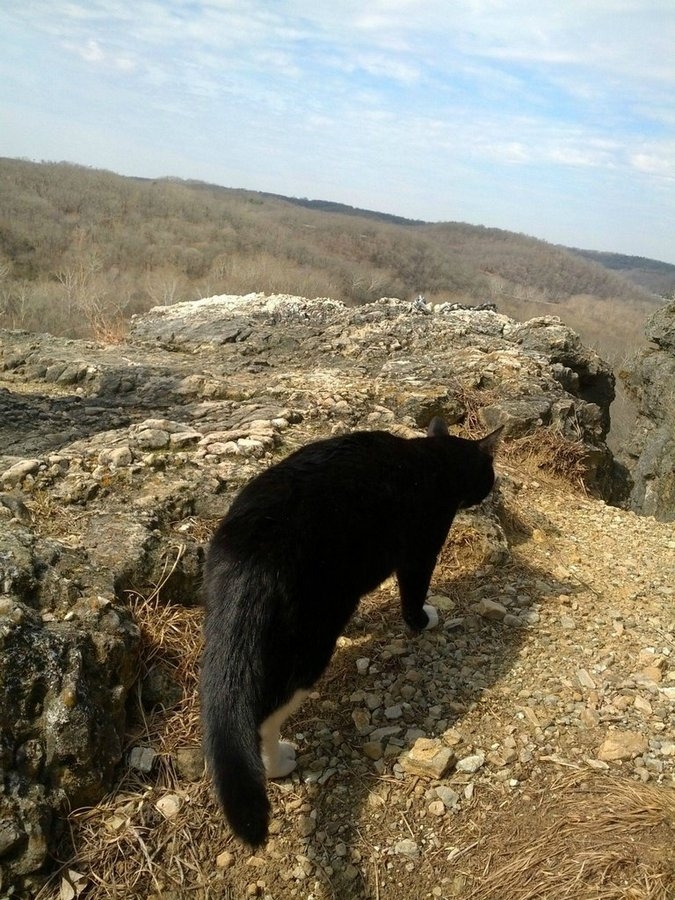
[82, 249]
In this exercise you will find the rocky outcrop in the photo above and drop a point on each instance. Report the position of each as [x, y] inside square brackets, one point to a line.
[112, 456]
[650, 379]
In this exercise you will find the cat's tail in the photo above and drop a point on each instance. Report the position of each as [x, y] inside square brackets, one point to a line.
[232, 745]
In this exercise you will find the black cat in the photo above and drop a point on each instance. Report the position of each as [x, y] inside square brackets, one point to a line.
[286, 568]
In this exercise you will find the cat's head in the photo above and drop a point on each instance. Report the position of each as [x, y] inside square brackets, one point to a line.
[479, 477]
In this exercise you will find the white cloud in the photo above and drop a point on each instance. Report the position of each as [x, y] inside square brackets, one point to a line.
[657, 161]
[91, 52]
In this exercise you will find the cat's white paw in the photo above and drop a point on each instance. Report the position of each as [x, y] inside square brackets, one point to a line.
[284, 763]
[286, 750]
[432, 614]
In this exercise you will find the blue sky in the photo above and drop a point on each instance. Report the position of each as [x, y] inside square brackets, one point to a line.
[555, 118]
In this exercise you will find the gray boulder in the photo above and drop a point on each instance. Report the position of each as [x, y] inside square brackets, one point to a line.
[650, 379]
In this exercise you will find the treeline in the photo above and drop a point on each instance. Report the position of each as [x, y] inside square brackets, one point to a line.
[651, 274]
[81, 250]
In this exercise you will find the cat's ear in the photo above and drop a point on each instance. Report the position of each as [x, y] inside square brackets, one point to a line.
[437, 428]
[490, 442]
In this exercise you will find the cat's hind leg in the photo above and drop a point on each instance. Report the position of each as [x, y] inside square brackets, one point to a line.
[432, 616]
[279, 756]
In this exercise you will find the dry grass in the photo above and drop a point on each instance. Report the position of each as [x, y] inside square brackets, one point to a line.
[589, 838]
[53, 518]
[128, 850]
[549, 452]
[126, 844]
[171, 636]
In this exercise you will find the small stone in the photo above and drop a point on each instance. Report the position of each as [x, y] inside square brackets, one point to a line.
[361, 719]
[471, 764]
[152, 439]
[621, 745]
[118, 458]
[350, 872]
[437, 808]
[498, 760]
[10, 836]
[189, 762]
[225, 859]
[452, 737]
[362, 665]
[406, 847]
[184, 438]
[385, 731]
[169, 805]
[428, 757]
[449, 797]
[373, 750]
[651, 673]
[530, 616]
[306, 826]
[490, 609]
[643, 705]
[439, 601]
[142, 759]
[585, 679]
[393, 712]
[251, 447]
[590, 717]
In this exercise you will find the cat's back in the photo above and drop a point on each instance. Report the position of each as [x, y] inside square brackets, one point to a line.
[331, 483]
[328, 466]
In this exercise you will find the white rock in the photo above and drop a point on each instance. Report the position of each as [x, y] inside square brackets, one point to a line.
[16, 473]
[362, 665]
[169, 805]
[471, 764]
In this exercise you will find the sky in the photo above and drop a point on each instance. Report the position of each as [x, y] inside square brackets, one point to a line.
[554, 118]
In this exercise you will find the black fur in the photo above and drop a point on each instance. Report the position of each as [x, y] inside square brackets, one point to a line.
[300, 545]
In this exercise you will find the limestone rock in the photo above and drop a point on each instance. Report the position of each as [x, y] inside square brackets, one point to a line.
[15, 474]
[428, 757]
[621, 745]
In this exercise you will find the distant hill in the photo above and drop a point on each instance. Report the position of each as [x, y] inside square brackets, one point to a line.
[82, 249]
[651, 274]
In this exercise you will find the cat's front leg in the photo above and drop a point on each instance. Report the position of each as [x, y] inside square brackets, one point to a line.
[414, 584]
